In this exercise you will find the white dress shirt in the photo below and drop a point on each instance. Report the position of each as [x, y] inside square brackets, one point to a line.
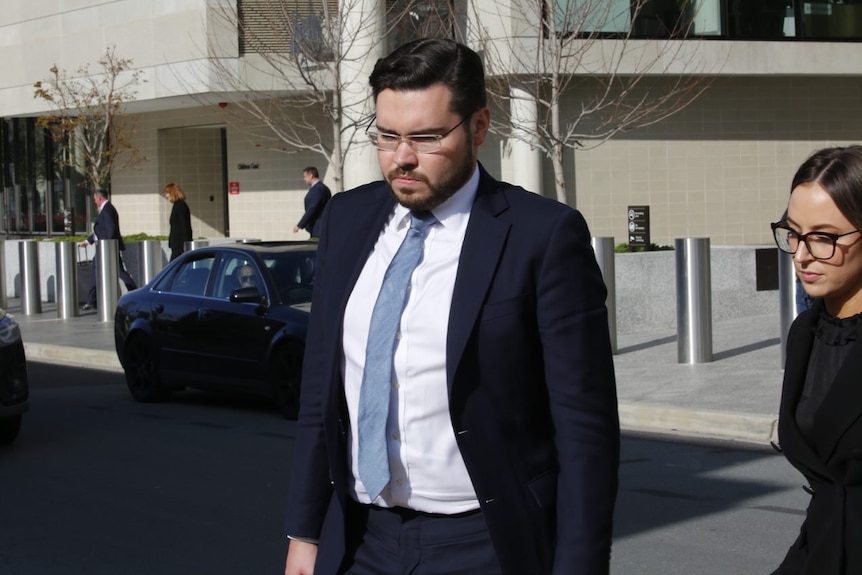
[427, 470]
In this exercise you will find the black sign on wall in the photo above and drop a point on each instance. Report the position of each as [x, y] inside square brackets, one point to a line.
[638, 226]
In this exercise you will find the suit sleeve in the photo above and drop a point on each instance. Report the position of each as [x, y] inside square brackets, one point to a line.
[107, 225]
[311, 487]
[314, 206]
[573, 326]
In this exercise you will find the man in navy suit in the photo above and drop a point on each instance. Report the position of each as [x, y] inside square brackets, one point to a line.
[315, 200]
[502, 433]
[107, 227]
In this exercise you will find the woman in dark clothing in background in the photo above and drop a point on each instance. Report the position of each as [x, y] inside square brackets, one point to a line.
[820, 418]
[181, 220]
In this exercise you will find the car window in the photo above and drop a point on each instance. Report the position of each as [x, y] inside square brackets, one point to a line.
[191, 277]
[236, 271]
[293, 273]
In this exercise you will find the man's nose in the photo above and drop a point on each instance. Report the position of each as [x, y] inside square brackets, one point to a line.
[405, 155]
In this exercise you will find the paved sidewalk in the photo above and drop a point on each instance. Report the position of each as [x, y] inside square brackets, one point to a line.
[733, 397]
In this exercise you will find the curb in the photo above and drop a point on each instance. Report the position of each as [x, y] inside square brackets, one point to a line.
[760, 429]
[73, 356]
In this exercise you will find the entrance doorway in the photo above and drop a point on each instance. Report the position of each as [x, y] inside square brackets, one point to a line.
[195, 158]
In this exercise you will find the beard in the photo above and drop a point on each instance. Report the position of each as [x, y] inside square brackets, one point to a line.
[429, 195]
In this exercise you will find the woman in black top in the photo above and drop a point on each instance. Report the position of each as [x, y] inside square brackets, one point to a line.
[820, 418]
[181, 220]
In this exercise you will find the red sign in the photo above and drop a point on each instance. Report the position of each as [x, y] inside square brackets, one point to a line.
[233, 188]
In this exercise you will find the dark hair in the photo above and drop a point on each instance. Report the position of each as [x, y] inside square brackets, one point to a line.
[422, 63]
[839, 172]
[102, 194]
[311, 170]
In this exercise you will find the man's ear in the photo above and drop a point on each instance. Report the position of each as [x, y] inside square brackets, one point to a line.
[481, 124]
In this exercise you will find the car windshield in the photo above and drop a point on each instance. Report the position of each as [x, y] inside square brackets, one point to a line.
[293, 274]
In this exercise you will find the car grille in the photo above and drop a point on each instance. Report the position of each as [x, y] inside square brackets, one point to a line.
[13, 374]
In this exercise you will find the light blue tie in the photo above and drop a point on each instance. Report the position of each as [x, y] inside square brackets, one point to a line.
[380, 348]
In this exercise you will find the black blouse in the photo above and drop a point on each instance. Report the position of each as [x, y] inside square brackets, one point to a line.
[832, 339]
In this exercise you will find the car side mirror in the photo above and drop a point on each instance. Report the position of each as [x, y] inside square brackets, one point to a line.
[247, 295]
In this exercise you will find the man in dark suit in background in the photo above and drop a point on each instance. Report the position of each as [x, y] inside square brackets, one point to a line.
[107, 227]
[499, 427]
[315, 200]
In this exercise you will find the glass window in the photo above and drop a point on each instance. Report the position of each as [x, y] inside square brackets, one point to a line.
[190, 278]
[236, 271]
[293, 274]
[826, 20]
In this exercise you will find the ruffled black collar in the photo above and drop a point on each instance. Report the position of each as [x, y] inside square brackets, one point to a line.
[837, 331]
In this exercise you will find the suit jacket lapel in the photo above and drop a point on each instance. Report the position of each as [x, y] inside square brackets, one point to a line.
[360, 228]
[795, 370]
[841, 406]
[483, 245]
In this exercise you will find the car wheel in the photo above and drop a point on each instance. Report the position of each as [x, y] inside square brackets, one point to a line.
[142, 371]
[9, 429]
[287, 374]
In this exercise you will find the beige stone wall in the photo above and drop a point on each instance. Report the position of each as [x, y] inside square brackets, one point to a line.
[184, 146]
[722, 167]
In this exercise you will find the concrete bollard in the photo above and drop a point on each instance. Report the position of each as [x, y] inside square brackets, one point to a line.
[693, 300]
[605, 257]
[66, 280]
[31, 294]
[107, 278]
[194, 244]
[151, 260]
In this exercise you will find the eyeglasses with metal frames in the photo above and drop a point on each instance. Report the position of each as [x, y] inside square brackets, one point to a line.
[419, 143]
[821, 245]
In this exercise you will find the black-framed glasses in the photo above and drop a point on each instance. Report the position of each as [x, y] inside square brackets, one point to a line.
[419, 143]
[246, 278]
[821, 245]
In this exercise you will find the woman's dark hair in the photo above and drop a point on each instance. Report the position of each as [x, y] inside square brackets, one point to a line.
[839, 172]
[422, 63]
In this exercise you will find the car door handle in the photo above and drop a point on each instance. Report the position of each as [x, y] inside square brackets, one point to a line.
[158, 308]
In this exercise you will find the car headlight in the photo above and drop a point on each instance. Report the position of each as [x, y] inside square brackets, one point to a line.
[9, 331]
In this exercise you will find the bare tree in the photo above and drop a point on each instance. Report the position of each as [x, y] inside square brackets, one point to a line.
[539, 51]
[89, 122]
[298, 83]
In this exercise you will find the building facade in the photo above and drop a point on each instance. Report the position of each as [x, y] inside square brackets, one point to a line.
[780, 78]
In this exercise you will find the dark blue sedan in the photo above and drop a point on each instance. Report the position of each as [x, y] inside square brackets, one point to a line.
[229, 317]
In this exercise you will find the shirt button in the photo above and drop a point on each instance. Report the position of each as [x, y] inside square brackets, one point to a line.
[395, 385]
[398, 483]
[398, 335]
[396, 436]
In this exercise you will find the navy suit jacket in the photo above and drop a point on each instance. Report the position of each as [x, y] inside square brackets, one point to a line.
[530, 375]
[831, 460]
[107, 226]
[315, 200]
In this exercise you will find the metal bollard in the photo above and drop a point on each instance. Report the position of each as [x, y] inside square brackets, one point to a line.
[194, 244]
[604, 250]
[693, 300]
[151, 260]
[107, 278]
[31, 295]
[66, 280]
[787, 288]
[4, 302]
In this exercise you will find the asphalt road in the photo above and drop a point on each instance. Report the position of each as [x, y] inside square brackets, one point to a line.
[99, 484]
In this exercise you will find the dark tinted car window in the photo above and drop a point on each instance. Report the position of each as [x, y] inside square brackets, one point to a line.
[236, 271]
[293, 274]
[190, 278]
